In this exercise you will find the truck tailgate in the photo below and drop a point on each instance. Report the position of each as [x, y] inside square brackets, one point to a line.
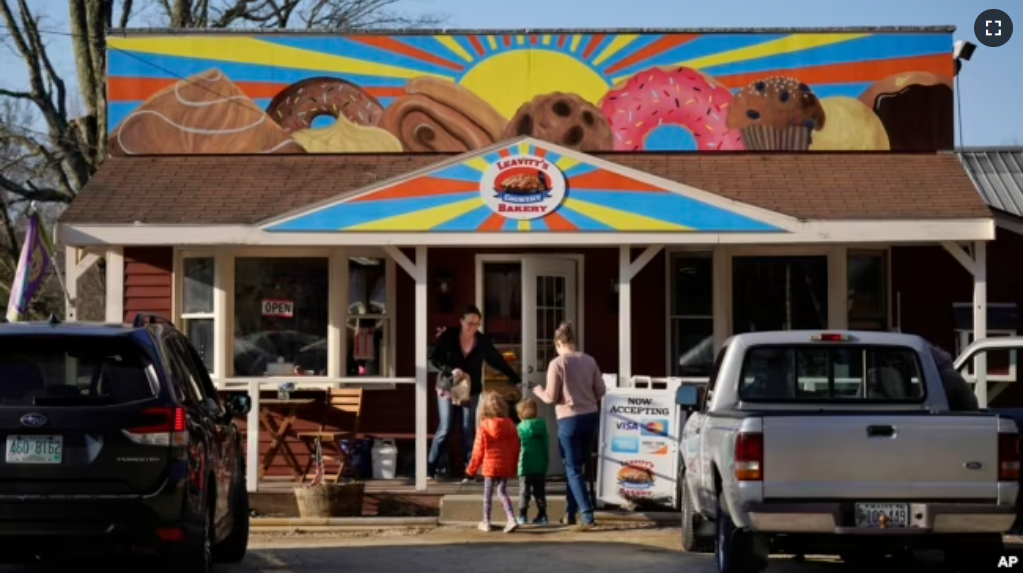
[855, 457]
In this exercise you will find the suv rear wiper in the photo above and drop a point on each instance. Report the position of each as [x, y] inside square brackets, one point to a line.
[71, 401]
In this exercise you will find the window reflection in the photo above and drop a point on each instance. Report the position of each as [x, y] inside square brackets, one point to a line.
[281, 316]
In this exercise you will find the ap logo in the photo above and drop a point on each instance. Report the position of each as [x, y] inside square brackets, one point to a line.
[1008, 562]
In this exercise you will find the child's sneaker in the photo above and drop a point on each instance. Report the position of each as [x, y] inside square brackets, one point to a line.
[511, 526]
[484, 526]
[541, 520]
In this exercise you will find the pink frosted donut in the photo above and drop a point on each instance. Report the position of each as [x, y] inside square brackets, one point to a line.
[682, 97]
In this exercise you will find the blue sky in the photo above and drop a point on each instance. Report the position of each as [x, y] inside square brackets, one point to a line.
[991, 106]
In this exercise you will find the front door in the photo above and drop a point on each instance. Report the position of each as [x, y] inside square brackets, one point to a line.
[549, 297]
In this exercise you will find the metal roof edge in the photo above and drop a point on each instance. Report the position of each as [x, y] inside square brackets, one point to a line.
[487, 31]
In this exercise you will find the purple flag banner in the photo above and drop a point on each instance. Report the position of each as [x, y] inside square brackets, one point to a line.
[33, 267]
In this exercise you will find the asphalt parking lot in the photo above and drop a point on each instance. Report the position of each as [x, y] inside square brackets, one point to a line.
[471, 551]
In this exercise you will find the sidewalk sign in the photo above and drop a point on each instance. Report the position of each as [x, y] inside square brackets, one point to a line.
[638, 449]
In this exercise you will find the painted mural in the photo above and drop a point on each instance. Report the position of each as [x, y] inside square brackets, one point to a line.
[525, 186]
[587, 92]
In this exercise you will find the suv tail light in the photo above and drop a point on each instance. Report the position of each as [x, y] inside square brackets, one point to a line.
[1009, 457]
[168, 431]
[749, 458]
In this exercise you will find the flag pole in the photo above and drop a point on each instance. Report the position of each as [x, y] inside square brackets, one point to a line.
[33, 212]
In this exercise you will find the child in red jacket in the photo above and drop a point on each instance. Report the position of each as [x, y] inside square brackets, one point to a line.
[496, 456]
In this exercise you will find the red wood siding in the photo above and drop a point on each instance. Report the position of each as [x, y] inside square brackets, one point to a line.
[148, 281]
[928, 281]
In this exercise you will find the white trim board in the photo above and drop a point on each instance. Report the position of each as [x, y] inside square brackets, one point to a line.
[809, 232]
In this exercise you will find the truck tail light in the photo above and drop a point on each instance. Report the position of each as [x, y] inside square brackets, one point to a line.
[749, 458]
[168, 429]
[1009, 457]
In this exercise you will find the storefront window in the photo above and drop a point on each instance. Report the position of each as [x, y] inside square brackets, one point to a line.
[867, 288]
[281, 316]
[369, 324]
[779, 293]
[692, 315]
[197, 306]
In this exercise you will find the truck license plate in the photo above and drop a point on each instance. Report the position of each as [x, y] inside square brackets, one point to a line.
[897, 515]
[34, 449]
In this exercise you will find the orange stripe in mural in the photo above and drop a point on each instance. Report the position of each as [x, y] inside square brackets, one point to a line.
[595, 41]
[504, 154]
[561, 41]
[385, 92]
[539, 152]
[534, 39]
[421, 187]
[556, 222]
[854, 72]
[662, 45]
[394, 46]
[139, 89]
[608, 181]
[477, 45]
[493, 223]
[507, 40]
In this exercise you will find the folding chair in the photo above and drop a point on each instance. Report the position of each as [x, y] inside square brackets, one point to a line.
[347, 405]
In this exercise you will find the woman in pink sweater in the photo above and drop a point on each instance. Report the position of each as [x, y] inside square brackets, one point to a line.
[575, 387]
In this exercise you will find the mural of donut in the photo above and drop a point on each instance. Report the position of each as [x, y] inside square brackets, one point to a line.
[458, 92]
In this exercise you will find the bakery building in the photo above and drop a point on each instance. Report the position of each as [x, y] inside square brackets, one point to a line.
[311, 208]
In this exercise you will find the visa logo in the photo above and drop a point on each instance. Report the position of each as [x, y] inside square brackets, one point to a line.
[627, 426]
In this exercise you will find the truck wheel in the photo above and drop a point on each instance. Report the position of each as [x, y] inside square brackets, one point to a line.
[734, 547]
[692, 542]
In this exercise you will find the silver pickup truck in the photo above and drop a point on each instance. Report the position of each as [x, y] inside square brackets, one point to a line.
[840, 443]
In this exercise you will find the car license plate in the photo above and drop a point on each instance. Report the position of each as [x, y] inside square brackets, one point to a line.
[869, 515]
[35, 449]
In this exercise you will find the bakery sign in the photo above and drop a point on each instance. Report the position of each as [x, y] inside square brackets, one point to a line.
[523, 187]
[277, 308]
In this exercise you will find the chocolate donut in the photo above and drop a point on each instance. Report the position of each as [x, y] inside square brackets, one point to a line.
[440, 116]
[299, 104]
[916, 109]
[563, 119]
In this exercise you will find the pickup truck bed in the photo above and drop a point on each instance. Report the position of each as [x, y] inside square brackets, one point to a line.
[842, 441]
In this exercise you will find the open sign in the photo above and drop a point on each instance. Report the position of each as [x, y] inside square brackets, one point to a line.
[278, 308]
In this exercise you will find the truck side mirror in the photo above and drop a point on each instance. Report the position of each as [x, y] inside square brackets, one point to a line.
[687, 396]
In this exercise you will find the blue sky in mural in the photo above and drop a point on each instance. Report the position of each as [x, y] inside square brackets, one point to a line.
[991, 105]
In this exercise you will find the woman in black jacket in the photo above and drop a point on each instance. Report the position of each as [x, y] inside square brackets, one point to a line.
[463, 349]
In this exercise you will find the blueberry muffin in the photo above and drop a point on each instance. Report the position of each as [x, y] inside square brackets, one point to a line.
[776, 114]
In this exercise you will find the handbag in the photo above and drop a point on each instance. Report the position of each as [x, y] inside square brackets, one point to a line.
[462, 391]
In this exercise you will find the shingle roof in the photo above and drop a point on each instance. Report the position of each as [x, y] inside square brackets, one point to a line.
[997, 174]
[250, 189]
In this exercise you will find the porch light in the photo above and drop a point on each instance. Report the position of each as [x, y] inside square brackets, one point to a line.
[962, 52]
[613, 295]
[444, 288]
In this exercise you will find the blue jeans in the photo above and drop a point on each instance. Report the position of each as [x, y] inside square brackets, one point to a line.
[446, 411]
[576, 437]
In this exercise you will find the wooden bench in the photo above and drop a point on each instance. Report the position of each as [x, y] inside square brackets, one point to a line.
[347, 401]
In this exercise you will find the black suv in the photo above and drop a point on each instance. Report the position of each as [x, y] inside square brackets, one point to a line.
[115, 442]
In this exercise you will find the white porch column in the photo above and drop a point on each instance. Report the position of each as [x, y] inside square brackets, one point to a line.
[625, 316]
[115, 285]
[418, 271]
[252, 439]
[980, 322]
[337, 306]
[628, 269]
[838, 289]
[71, 283]
[421, 368]
[224, 313]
